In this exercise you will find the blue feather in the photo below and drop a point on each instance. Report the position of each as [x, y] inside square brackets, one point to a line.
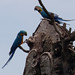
[56, 17]
[16, 44]
[8, 59]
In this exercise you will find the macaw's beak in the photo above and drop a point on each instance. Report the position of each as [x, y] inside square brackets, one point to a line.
[38, 8]
[25, 34]
[35, 8]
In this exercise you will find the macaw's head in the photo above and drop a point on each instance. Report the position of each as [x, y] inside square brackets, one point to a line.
[38, 8]
[22, 33]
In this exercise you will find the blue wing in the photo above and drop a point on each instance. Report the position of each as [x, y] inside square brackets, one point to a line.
[56, 17]
[16, 43]
[46, 16]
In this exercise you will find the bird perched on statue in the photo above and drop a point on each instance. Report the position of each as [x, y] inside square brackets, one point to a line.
[44, 15]
[18, 41]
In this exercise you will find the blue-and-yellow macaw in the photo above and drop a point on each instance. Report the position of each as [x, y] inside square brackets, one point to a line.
[18, 41]
[56, 17]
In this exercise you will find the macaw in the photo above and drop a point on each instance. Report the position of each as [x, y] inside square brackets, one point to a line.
[18, 41]
[44, 15]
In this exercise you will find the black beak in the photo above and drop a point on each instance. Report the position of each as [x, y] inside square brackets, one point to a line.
[25, 34]
[35, 9]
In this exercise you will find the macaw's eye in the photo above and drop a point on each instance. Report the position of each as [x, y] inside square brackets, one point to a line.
[21, 34]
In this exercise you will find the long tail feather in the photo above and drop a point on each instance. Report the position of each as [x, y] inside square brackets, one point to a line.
[65, 20]
[69, 20]
[8, 60]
